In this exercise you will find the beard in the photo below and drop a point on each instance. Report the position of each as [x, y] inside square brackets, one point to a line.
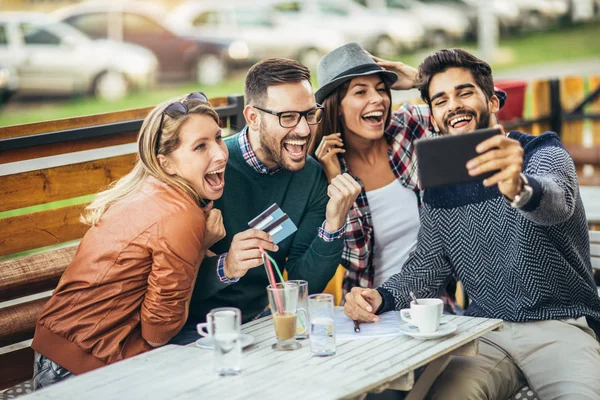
[274, 150]
[481, 122]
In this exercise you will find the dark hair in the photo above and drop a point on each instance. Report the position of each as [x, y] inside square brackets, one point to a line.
[441, 60]
[332, 120]
[270, 72]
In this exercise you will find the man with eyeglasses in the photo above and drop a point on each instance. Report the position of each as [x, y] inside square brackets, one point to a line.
[268, 164]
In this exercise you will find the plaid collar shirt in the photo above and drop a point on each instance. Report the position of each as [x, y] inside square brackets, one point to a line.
[250, 155]
[408, 124]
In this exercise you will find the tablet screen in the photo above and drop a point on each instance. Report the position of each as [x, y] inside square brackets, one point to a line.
[443, 160]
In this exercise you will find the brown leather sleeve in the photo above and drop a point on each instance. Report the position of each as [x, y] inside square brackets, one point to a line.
[176, 256]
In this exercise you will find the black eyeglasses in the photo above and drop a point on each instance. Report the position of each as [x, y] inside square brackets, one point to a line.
[176, 110]
[290, 119]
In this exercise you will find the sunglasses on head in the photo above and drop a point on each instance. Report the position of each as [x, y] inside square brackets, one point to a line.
[177, 109]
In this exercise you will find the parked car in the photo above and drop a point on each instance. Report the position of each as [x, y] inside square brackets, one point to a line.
[9, 82]
[180, 56]
[54, 58]
[380, 33]
[538, 14]
[255, 29]
[443, 24]
[506, 12]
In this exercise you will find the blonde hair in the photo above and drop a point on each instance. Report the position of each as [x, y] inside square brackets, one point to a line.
[148, 164]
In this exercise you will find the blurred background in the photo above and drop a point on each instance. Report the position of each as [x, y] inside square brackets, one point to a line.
[65, 58]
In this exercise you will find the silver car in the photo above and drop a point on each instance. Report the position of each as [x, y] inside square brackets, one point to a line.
[538, 14]
[443, 24]
[9, 83]
[380, 33]
[254, 29]
[54, 58]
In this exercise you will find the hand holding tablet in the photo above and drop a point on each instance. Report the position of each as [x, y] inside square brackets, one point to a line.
[443, 160]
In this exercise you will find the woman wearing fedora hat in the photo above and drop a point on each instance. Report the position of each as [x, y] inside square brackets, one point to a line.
[360, 135]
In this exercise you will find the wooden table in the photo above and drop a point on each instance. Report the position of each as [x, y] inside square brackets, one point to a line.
[359, 367]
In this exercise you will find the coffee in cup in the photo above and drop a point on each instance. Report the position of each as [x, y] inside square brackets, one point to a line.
[285, 325]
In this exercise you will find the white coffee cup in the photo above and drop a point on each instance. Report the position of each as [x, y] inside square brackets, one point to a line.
[426, 315]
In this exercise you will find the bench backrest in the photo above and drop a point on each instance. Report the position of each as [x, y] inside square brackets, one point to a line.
[49, 172]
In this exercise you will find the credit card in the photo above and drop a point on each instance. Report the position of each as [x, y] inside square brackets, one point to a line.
[275, 222]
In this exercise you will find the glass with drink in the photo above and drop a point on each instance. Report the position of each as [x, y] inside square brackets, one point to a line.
[223, 327]
[283, 300]
[302, 309]
[322, 327]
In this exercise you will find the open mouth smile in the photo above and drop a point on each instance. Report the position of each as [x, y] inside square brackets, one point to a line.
[373, 118]
[295, 148]
[460, 121]
[216, 179]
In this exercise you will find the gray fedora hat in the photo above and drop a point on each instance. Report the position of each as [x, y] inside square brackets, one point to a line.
[344, 63]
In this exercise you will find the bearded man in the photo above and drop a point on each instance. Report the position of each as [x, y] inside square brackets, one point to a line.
[519, 243]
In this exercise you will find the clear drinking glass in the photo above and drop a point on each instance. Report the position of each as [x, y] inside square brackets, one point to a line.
[283, 300]
[223, 327]
[302, 309]
[322, 327]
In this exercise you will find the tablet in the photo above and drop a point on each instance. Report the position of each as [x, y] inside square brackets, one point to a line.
[443, 160]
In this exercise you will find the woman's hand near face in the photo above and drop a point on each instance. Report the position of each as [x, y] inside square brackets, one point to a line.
[326, 153]
[406, 74]
[215, 230]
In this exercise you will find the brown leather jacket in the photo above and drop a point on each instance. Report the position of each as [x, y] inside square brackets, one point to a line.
[130, 282]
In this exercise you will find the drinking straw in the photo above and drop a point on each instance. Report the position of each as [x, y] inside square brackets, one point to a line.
[265, 254]
[276, 267]
[272, 280]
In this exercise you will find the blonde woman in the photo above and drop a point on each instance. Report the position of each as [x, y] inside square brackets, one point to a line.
[128, 288]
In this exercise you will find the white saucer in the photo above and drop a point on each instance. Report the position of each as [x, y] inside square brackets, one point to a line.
[206, 343]
[445, 329]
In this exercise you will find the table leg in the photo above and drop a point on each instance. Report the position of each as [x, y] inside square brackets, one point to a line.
[405, 382]
[432, 371]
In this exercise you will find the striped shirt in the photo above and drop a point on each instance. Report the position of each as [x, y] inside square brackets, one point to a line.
[528, 264]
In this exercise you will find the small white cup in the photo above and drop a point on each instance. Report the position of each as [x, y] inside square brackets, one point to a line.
[426, 315]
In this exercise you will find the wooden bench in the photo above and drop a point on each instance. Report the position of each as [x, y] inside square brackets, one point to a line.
[60, 165]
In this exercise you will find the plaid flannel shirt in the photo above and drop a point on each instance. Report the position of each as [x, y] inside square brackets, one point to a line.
[408, 124]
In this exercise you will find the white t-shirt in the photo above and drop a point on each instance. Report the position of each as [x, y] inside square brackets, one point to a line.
[395, 215]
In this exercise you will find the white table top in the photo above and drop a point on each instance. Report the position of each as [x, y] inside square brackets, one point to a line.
[185, 372]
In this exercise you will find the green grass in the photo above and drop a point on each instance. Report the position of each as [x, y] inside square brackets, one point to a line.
[48, 206]
[78, 106]
[565, 43]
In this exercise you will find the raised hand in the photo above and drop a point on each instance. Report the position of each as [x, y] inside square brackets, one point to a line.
[342, 191]
[215, 230]
[504, 154]
[326, 153]
[406, 74]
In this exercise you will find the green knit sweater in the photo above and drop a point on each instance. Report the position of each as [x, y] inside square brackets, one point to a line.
[303, 196]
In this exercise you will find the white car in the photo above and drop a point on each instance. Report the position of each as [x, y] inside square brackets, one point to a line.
[506, 12]
[54, 58]
[537, 14]
[382, 34]
[9, 83]
[254, 29]
[443, 24]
